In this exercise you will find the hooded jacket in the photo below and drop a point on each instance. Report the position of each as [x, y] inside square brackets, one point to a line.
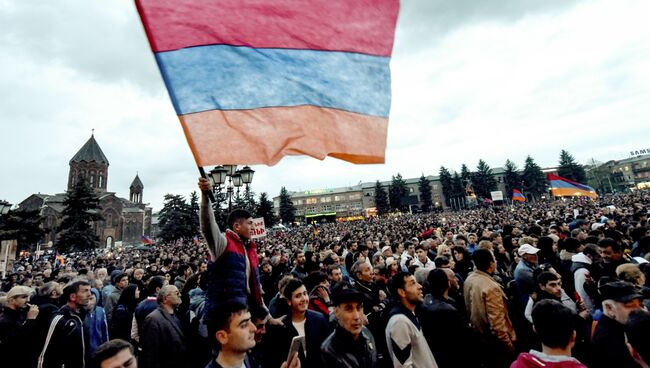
[584, 285]
[96, 325]
[536, 359]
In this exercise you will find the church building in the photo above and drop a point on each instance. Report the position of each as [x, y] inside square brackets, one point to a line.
[125, 220]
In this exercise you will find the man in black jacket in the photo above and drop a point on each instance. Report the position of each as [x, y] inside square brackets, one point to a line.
[18, 328]
[443, 325]
[620, 298]
[66, 340]
[351, 345]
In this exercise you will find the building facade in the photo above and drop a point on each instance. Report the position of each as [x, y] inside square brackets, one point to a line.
[359, 200]
[124, 220]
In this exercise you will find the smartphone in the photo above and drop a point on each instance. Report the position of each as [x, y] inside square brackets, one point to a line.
[297, 343]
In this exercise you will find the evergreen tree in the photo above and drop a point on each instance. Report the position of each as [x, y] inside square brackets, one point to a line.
[265, 209]
[570, 169]
[287, 210]
[397, 191]
[194, 213]
[175, 219]
[381, 199]
[533, 180]
[246, 201]
[445, 182]
[466, 178]
[511, 178]
[24, 226]
[81, 210]
[458, 191]
[425, 194]
[483, 180]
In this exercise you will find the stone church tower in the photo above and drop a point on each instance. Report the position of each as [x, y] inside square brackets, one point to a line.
[135, 190]
[90, 163]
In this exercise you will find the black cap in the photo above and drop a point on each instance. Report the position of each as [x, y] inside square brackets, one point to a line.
[345, 293]
[620, 291]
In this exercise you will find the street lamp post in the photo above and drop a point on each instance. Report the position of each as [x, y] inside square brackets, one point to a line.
[225, 178]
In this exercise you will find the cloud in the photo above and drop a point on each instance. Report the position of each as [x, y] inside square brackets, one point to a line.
[493, 79]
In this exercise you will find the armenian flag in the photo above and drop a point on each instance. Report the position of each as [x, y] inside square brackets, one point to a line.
[563, 187]
[253, 81]
[517, 196]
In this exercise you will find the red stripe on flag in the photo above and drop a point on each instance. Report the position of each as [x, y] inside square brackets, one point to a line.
[363, 26]
[220, 136]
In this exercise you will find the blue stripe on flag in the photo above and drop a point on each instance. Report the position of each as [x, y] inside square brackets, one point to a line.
[222, 77]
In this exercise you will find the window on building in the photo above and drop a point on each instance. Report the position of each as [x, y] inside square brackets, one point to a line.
[311, 201]
[355, 196]
[100, 180]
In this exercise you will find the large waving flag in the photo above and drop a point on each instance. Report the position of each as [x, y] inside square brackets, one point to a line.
[563, 187]
[518, 196]
[255, 80]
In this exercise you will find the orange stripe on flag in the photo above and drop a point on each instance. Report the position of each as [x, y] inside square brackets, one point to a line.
[216, 136]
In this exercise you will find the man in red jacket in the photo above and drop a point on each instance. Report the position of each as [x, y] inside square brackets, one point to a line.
[554, 324]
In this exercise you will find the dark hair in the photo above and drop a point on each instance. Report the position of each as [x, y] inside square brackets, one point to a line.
[591, 250]
[482, 258]
[609, 242]
[292, 285]
[441, 261]
[220, 317]
[419, 246]
[258, 312]
[109, 349]
[569, 244]
[438, 282]
[331, 268]
[636, 330]
[72, 288]
[155, 282]
[127, 297]
[398, 282]
[119, 277]
[237, 215]
[546, 276]
[554, 323]
[314, 278]
[182, 268]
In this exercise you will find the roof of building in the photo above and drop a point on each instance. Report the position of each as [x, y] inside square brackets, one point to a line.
[137, 183]
[90, 152]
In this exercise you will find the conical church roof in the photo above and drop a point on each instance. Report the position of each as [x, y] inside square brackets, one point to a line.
[90, 152]
[137, 183]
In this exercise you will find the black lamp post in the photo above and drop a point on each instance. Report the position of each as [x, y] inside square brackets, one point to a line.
[225, 178]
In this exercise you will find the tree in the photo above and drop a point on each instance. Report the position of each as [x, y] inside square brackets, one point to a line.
[381, 199]
[175, 219]
[396, 192]
[80, 210]
[533, 180]
[246, 201]
[511, 178]
[22, 225]
[287, 209]
[458, 191]
[445, 182]
[483, 180]
[570, 169]
[265, 210]
[424, 186]
[194, 213]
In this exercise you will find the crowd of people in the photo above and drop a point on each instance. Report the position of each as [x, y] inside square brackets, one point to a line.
[555, 283]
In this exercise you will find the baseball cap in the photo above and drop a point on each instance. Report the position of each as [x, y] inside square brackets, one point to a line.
[620, 291]
[385, 248]
[527, 249]
[344, 293]
[390, 261]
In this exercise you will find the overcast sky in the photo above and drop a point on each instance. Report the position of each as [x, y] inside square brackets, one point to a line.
[491, 79]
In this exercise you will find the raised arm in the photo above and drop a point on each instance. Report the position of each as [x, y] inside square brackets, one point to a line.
[213, 236]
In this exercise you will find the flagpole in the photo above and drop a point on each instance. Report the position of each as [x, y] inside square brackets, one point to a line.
[203, 175]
